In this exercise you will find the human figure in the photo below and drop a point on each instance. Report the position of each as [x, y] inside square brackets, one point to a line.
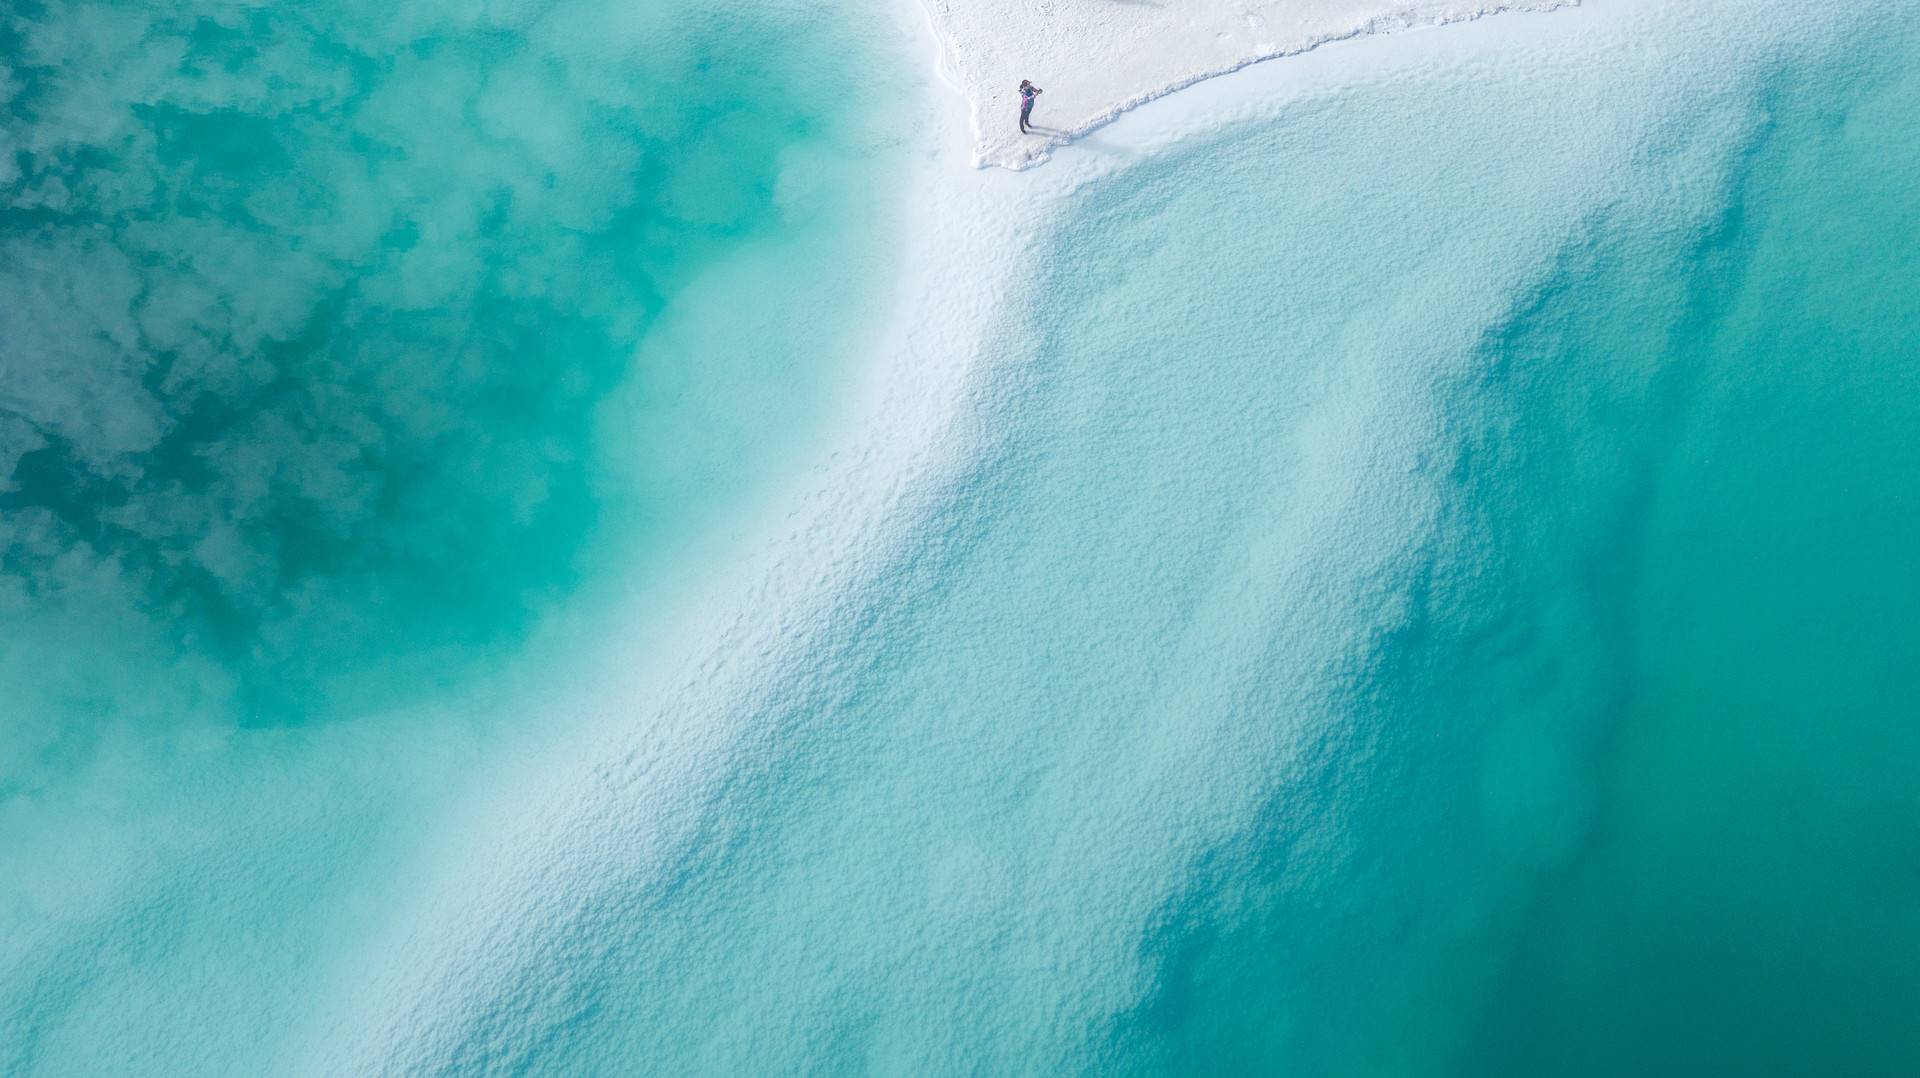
[1028, 91]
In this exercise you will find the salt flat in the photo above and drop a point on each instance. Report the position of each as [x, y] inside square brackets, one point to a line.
[1096, 58]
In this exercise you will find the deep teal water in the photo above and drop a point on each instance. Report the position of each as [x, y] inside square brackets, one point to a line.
[313, 313]
[353, 356]
[1453, 620]
[1747, 901]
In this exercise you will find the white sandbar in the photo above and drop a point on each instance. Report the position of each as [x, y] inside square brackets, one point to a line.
[1094, 59]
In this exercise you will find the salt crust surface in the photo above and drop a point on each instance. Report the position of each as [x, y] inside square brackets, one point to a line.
[1094, 59]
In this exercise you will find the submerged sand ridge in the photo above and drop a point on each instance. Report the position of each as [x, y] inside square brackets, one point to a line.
[1096, 58]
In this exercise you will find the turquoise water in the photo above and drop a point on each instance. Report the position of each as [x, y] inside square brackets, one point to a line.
[350, 356]
[1751, 864]
[1435, 596]
[1651, 783]
[315, 312]
[1447, 621]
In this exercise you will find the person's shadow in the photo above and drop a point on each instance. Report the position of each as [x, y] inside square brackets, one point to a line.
[1041, 129]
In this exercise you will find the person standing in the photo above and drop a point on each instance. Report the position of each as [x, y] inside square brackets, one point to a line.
[1028, 91]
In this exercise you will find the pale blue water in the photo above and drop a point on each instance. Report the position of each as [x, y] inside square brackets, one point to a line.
[1439, 598]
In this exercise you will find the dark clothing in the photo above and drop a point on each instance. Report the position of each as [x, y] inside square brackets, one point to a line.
[1027, 94]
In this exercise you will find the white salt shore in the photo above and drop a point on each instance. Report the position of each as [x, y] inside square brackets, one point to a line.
[1094, 59]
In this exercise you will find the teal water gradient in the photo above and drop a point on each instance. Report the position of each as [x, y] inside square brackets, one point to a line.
[1747, 901]
[1646, 804]
[352, 355]
[1429, 599]
[312, 313]
[1433, 595]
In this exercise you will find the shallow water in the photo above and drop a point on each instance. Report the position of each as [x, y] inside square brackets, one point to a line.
[350, 358]
[1454, 619]
[1327, 662]
[1746, 900]
[314, 313]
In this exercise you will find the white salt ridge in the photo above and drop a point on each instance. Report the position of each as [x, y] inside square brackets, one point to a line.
[1095, 59]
